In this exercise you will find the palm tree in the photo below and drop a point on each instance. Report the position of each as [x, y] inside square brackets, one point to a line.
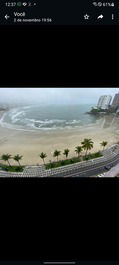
[57, 153]
[43, 156]
[6, 157]
[104, 143]
[78, 150]
[66, 152]
[87, 144]
[18, 158]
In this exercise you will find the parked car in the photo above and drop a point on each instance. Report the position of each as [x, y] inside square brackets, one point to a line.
[107, 167]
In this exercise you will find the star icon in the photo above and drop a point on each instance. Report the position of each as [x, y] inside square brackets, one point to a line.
[86, 16]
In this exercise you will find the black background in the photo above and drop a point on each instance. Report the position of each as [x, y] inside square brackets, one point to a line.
[59, 56]
[59, 219]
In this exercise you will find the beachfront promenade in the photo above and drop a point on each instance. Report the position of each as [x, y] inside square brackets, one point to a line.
[82, 169]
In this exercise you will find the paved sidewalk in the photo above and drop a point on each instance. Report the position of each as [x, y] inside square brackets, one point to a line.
[113, 172]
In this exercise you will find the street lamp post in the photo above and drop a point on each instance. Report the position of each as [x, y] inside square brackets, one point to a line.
[50, 166]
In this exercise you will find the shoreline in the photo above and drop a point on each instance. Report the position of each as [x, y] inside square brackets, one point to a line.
[31, 143]
[42, 131]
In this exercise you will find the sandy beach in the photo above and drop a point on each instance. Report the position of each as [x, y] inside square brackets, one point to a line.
[31, 143]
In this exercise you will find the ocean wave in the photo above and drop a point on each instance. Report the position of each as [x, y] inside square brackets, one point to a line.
[46, 121]
[17, 116]
[19, 119]
[2, 118]
[73, 122]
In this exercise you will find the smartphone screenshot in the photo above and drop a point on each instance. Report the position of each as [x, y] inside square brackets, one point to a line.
[59, 132]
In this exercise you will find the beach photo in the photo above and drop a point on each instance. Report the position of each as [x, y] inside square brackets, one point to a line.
[59, 132]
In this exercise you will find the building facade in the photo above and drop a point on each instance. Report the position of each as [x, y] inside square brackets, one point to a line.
[115, 102]
[104, 102]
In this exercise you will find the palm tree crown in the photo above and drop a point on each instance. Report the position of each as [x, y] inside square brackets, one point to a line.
[57, 153]
[17, 158]
[78, 150]
[66, 152]
[6, 157]
[43, 156]
[87, 144]
[104, 143]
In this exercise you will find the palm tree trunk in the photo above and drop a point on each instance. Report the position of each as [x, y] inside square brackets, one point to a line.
[86, 152]
[43, 161]
[57, 158]
[19, 163]
[8, 163]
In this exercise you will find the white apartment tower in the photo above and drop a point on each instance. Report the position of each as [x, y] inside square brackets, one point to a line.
[104, 102]
[115, 102]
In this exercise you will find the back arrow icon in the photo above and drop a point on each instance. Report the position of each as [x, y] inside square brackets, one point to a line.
[6, 16]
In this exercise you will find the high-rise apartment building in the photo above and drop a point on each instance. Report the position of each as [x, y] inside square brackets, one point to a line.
[104, 102]
[115, 102]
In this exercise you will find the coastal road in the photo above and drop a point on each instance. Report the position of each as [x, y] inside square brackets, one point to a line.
[91, 170]
[82, 169]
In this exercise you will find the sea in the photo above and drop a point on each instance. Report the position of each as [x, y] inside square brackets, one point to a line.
[50, 117]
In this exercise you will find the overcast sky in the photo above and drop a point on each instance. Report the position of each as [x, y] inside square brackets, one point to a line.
[54, 95]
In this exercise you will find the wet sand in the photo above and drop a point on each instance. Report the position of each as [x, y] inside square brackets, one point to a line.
[31, 144]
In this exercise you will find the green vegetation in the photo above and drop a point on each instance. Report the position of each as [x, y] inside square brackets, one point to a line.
[57, 154]
[98, 111]
[18, 158]
[11, 168]
[6, 158]
[87, 144]
[103, 144]
[66, 152]
[78, 150]
[95, 110]
[71, 161]
[62, 163]
[92, 156]
[43, 156]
